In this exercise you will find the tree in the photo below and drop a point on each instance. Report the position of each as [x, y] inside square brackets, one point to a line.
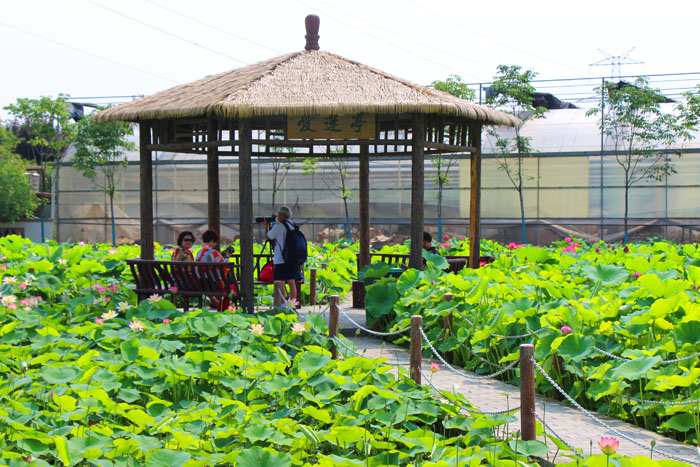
[455, 86]
[512, 92]
[280, 169]
[630, 115]
[338, 186]
[100, 155]
[46, 130]
[17, 198]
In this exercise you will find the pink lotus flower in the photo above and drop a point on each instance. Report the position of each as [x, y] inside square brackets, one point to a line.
[173, 289]
[626, 249]
[445, 245]
[12, 306]
[434, 367]
[102, 290]
[482, 263]
[113, 288]
[567, 239]
[136, 326]
[637, 275]
[99, 320]
[22, 286]
[608, 445]
[298, 328]
[113, 251]
[597, 250]
[166, 320]
[81, 243]
[445, 238]
[24, 302]
[566, 330]
[461, 239]
[257, 329]
[106, 299]
[3, 267]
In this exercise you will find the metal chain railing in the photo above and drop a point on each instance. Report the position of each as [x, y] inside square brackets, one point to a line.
[340, 341]
[369, 331]
[495, 365]
[605, 425]
[520, 336]
[663, 362]
[467, 409]
[454, 370]
[644, 401]
[558, 436]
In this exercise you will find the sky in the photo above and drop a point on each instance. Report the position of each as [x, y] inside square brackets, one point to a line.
[93, 49]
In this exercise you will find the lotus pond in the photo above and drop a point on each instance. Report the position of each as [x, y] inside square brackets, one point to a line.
[90, 377]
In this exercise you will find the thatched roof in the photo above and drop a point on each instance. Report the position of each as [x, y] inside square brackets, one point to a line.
[298, 84]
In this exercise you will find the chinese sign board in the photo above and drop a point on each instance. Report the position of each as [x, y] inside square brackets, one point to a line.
[357, 126]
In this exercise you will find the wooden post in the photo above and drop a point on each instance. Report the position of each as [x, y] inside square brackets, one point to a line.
[245, 199]
[475, 195]
[278, 291]
[417, 196]
[358, 294]
[146, 189]
[527, 393]
[333, 324]
[416, 348]
[312, 286]
[213, 196]
[364, 207]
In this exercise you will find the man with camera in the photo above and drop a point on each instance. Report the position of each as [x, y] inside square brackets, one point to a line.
[287, 272]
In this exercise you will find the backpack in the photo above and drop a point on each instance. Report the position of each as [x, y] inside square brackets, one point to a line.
[295, 250]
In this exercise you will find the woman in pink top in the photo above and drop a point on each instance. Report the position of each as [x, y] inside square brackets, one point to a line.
[209, 254]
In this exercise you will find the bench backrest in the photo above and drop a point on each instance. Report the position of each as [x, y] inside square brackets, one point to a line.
[456, 262]
[188, 277]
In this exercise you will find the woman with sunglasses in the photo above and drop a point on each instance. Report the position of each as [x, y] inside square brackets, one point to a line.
[183, 252]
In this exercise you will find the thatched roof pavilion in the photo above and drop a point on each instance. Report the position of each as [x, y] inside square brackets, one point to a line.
[320, 104]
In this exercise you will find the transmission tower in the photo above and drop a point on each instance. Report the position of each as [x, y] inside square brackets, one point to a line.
[616, 62]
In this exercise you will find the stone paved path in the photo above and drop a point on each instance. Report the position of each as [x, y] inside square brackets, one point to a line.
[493, 395]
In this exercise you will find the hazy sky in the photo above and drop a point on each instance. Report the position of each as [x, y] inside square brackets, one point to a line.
[89, 48]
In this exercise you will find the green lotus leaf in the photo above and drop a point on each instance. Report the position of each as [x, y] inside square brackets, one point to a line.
[438, 262]
[312, 361]
[60, 375]
[130, 349]
[533, 254]
[529, 448]
[661, 288]
[374, 271]
[380, 300]
[682, 422]
[575, 347]
[206, 326]
[166, 458]
[605, 273]
[257, 457]
[256, 432]
[635, 368]
[409, 279]
[688, 333]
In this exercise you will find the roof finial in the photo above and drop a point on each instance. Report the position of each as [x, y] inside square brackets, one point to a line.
[312, 22]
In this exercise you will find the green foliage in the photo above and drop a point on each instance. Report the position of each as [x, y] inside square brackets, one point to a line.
[17, 198]
[455, 86]
[631, 117]
[512, 92]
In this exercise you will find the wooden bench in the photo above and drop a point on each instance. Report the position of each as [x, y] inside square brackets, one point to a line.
[456, 263]
[191, 279]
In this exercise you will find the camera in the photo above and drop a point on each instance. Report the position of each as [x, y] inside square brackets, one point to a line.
[261, 219]
[228, 252]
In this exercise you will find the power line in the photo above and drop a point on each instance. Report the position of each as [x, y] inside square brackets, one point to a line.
[213, 27]
[165, 32]
[87, 53]
[387, 42]
[502, 44]
[443, 51]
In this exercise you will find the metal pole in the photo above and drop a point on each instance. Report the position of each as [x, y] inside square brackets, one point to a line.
[333, 325]
[416, 347]
[527, 393]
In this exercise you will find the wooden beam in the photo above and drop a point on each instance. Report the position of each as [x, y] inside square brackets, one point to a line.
[146, 191]
[364, 206]
[475, 196]
[417, 195]
[245, 200]
[449, 147]
[213, 203]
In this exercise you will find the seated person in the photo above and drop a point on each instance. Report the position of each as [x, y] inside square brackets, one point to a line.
[208, 253]
[428, 243]
[183, 252]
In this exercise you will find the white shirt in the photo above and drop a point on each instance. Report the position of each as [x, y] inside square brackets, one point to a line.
[279, 234]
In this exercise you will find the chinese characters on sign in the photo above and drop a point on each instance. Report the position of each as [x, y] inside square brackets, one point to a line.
[357, 126]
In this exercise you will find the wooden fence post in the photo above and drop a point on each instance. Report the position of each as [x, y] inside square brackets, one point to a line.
[416, 348]
[333, 324]
[528, 431]
[278, 290]
[312, 286]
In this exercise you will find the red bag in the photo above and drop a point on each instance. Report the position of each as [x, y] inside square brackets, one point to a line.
[267, 272]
